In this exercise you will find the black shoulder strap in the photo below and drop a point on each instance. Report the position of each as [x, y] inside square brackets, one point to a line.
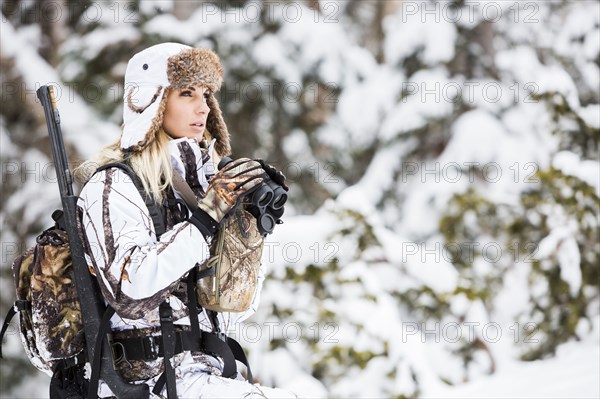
[103, 329]
[159, 228]
[154, 209]
[11, 312]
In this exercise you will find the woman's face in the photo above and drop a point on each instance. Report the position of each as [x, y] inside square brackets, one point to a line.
[186, 112]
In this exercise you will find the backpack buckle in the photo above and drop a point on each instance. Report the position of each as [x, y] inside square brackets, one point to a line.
[119, 354]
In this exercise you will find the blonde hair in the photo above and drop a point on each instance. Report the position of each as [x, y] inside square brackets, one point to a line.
[152, 165]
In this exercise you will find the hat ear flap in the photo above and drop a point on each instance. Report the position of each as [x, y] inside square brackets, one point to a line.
[217, 128]
[143, 114]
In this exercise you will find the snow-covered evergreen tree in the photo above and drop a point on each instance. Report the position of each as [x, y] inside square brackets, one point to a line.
[443, 158]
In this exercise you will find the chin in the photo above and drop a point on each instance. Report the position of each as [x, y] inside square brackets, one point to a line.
[197, 136]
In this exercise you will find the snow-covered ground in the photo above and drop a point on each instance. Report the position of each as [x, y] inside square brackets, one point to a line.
[573, 373]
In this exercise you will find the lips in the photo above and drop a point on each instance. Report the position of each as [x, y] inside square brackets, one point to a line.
[197, 124]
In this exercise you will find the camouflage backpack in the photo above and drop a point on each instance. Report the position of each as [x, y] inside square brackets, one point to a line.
[47, 302]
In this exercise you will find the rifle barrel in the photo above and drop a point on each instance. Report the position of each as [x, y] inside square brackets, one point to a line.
[90, 298]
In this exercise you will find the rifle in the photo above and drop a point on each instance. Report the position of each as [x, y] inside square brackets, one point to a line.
[90, 297]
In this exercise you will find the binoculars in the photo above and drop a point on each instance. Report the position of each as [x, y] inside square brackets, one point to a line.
[265, 202]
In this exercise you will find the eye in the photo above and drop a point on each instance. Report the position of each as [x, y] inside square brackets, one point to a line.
[206, 95]
[186, 93]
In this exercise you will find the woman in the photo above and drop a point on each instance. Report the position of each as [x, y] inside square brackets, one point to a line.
[172, 125]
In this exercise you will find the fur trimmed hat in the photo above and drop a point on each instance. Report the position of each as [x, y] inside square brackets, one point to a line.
[148, 76]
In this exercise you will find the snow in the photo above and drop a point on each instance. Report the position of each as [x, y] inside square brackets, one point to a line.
[426, 264]
[273, 54]
[571, 164]
[569, 259]
[380, 89]
[514, 295]
[573, 373]
[525, 64]
[149, 7]
[76, 116]
[478, 137]
[34, 172]
[6, 146]
[407, 34]
[295, 378]
[396, 111]
[582, 21]
[182, 31]
[591, 113]
[98, 39]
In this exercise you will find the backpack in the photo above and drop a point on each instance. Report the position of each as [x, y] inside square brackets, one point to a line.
[46, 300]
[50, 321]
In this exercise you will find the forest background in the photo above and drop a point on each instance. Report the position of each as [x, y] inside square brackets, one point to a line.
[441, 237]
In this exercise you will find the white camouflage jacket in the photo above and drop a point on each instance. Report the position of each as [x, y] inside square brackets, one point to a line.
[136, 271]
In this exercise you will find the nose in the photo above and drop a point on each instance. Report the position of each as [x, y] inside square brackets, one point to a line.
[202, 106]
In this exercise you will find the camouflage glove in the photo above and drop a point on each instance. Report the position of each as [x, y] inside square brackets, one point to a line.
[225, 190]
